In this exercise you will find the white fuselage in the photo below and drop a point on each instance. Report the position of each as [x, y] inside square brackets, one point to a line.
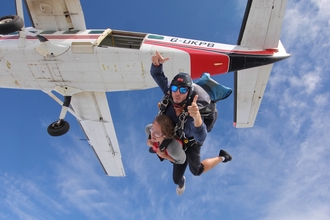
[82, 61]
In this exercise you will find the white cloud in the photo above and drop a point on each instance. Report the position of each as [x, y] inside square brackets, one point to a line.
[26, 199]
[82, 187]
[299, 91]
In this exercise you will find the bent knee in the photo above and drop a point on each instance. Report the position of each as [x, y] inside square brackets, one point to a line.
[198, 170]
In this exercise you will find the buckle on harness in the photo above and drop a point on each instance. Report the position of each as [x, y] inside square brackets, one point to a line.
[164, 103]
[188, 143]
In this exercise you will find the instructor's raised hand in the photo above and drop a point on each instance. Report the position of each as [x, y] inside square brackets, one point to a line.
[158, 59]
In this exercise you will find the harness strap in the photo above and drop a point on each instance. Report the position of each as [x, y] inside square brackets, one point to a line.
[164, 144]
[163, 104]
[180, 125]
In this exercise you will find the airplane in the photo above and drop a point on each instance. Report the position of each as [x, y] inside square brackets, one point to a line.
[60, 55]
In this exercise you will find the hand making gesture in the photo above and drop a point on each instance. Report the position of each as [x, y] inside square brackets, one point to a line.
[194, 112]
[158, 59]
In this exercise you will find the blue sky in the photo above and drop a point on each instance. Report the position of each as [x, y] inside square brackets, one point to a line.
[280, 168]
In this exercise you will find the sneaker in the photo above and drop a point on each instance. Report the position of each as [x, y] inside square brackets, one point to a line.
[225, 155]
[180, 189]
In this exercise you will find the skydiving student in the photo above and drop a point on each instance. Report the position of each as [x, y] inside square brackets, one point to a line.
[190, 127]
[162, 141]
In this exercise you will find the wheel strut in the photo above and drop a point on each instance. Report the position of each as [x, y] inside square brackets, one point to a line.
[65, 106]
[61, 126]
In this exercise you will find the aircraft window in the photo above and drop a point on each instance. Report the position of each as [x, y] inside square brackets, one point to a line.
[95, 32]
[48, 32]
[156, 37]
[123, 39]
[70, 32]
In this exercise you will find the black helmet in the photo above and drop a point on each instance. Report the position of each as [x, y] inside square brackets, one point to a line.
[182, 80]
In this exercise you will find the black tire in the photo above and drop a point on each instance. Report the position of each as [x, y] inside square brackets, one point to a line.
[55, 129]
[10, 24]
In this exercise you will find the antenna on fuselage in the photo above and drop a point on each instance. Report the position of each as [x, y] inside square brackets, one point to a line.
[22, 34]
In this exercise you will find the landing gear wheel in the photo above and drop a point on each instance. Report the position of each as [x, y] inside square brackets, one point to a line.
[58, 128]
[10, 24]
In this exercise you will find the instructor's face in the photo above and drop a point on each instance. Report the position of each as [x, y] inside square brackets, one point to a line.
[178, 97]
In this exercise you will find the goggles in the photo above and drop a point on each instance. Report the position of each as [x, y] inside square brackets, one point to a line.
[182, 90]
[155, 133]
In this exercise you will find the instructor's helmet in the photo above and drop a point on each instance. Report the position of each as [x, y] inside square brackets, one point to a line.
[183, 80]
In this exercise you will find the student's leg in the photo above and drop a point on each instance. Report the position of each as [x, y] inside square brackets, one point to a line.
[178, 172]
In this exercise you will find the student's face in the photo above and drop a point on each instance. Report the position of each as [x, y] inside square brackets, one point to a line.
[156, 132]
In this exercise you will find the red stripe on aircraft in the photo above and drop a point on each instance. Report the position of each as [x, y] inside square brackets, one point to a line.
[55, 37]
[268, 52]
[201, 62]
[213, 63]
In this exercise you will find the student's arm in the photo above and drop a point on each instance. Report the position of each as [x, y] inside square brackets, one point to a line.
[176, 151]
[164, 154]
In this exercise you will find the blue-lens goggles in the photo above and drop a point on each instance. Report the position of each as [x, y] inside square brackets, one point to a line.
[182, 90]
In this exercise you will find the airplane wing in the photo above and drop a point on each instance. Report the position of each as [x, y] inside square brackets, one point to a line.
[95, 119]
[261, 29]
[56, 15]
